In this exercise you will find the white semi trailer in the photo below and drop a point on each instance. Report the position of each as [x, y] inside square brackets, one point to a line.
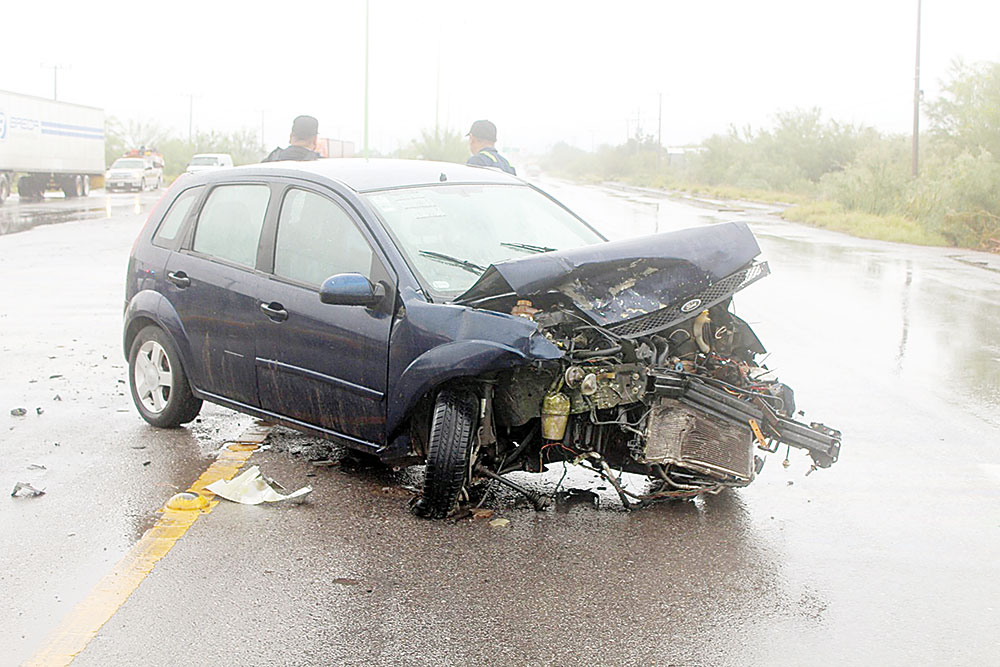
[46, 144]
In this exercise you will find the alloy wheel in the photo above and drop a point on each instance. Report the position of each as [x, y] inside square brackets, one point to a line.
[153, 377]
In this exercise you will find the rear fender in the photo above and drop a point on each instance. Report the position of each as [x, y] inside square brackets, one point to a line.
[150, 307]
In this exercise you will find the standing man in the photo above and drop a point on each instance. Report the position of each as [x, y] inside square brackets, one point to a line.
[482, 145]
[301, 142]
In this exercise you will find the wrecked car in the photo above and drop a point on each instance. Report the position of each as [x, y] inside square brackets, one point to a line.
[457, 317]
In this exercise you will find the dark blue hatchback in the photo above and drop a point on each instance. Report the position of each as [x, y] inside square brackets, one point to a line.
[419, 311]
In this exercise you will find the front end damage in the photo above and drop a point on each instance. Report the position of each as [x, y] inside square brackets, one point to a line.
[657, 377]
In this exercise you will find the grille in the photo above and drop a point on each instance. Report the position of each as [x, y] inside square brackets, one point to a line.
[679, 435]
[667, 317]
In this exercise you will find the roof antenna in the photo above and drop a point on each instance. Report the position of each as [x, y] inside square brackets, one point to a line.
[443, 177]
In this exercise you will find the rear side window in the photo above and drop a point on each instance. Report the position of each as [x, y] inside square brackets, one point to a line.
[175, 217]
[230, 222]
[317, 239]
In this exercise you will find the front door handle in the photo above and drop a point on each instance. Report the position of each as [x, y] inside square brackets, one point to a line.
[179, 278]
[274, 311]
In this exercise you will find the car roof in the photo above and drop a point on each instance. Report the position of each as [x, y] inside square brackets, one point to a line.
[363, 175]
[210, 155]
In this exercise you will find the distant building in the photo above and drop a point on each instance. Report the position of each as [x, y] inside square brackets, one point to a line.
[678, 156]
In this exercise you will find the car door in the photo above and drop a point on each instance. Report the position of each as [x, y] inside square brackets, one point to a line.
[212, 284]
[322, 364]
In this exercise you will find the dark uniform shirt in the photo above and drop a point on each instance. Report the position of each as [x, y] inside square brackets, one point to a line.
[291, 153]
[489, 157]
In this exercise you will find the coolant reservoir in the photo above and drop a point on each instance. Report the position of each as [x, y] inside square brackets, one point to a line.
[555, 414]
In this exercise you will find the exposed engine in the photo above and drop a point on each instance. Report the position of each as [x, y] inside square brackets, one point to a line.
[685, 400]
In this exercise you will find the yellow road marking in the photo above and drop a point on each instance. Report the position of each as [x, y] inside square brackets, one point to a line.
[81, 625]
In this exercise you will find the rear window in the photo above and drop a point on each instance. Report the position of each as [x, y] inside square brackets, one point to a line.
[230, 223]
[176, 216]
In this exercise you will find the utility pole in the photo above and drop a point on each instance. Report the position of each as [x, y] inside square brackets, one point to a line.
[366, 80]
[638, 130]
[55, 79]
[263, 146]
[916, 102]
[437, 98]
[659, 132]
[191, 118]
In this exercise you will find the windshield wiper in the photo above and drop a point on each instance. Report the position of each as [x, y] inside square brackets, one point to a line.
[529, 247]
[471, 267]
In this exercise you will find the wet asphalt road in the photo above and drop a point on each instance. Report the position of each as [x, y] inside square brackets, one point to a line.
[888, 557]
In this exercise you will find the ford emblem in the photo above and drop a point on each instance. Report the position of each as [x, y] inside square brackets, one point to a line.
[690, 305]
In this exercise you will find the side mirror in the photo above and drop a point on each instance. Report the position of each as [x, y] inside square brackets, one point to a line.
[350, 289]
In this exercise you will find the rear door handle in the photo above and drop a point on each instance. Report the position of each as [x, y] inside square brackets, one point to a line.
[179, 278]
[274, 311]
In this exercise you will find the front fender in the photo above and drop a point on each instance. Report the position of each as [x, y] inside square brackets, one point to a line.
[463, 358]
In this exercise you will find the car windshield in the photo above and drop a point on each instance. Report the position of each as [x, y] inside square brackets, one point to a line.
[451, 233]
[127, 163]
[204, 161]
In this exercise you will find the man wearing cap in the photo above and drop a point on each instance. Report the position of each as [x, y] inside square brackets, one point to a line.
[301, 142]
[482, 145]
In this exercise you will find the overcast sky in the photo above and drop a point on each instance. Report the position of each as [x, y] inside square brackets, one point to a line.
[543, 71]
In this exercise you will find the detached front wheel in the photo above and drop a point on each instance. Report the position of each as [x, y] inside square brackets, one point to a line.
[448, 449]
[160, 388]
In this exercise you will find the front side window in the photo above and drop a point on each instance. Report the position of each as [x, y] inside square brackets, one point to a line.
[230, 222]
[317, 239]
[175, 217]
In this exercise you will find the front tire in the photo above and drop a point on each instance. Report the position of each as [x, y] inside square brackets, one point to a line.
[4, 188]
[449, 446]
[160, 388]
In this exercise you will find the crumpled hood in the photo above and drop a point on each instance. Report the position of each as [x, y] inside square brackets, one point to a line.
[615, 281]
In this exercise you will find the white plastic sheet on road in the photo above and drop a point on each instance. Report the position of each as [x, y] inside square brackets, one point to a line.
[252, 488]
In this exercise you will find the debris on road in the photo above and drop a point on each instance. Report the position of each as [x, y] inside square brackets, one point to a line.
[18, 412]
[26, 490]
[345, 581]
[252, 488]
[36, 466]
[500, 523]
[39, 411]
[57, 397]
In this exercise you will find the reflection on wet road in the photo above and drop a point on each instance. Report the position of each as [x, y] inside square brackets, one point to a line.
[17, 216]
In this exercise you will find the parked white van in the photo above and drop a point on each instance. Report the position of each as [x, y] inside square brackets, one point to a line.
[206, 161]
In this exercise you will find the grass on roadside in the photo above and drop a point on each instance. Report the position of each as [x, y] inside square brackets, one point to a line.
[833, 216]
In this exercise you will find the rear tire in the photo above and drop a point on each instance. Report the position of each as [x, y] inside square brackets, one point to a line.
[160, 388]
[27, 189]
[448, 448]
[4, 188]
[142, 186]
[86, 186]
[73, 187]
